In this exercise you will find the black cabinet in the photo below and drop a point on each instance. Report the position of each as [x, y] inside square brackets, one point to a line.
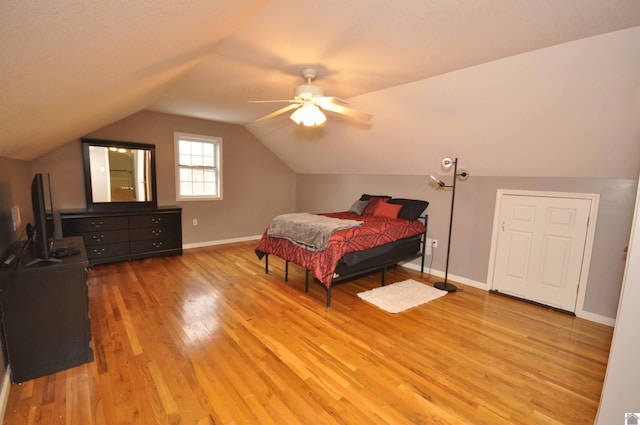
[46, 314]
[126, 235]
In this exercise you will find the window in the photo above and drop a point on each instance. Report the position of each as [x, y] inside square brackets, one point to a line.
[198, 167]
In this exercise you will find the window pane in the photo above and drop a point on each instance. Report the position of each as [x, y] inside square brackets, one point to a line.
[210, 189]
[196, 148]
[198, 188]
[185, 189]
[198, 175]
[184, 147]
[207, 149]
[198, 166]
[185, 160]
[185, 174]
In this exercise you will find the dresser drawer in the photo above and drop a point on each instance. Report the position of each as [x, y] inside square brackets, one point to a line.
[151, 245]
[105, 237]
[107, 250]
[76, 226]
[154, 220]
[144, 233]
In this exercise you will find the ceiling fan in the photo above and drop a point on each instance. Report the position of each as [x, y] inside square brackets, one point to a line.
[307, 101]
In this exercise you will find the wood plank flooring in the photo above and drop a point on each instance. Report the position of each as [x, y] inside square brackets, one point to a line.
[209, 338]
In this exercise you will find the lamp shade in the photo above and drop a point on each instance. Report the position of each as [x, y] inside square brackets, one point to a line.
[447, 162]
[309, 115]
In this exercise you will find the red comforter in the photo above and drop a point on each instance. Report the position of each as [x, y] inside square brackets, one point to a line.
[376, 231]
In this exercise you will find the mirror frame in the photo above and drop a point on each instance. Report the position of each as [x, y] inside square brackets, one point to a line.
[116, 205]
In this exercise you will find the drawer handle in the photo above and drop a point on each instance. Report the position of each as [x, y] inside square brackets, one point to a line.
[97, 223]
[98, 251]
[156, 220]
[97, 238]
[157, 244]
[156, 232]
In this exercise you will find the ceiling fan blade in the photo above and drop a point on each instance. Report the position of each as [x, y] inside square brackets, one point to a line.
[321, 100]
[346, 111]
[278, 112]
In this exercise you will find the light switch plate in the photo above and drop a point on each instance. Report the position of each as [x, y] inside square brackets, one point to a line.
[15, 216]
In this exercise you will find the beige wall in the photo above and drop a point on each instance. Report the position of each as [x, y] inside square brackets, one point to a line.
[473, 220]
[15, 190]
[257, 185]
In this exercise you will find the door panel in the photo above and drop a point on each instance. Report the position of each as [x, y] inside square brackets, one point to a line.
[554, 261]
[519, 254]
[540, 248]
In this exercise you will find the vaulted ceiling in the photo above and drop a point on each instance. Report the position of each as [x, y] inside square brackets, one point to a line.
[72, 67]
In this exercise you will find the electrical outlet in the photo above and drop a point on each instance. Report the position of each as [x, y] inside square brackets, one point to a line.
[428, 250]
[195, 221]
[434, 243]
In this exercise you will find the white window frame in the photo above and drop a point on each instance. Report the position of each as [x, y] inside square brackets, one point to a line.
[217, 167]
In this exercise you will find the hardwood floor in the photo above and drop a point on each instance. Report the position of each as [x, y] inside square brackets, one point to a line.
[209, 338]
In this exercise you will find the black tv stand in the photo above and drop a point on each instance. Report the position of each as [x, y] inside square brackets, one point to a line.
[46, 314]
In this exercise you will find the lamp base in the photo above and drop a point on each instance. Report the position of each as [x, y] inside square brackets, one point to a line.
[445, 286]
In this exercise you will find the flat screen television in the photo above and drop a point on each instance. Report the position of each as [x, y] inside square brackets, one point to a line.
[43, 226]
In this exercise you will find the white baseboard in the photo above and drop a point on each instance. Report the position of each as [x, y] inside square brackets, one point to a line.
[454, 278]
[4, 394]
[220, 242]
[482, 285]
[603, 320]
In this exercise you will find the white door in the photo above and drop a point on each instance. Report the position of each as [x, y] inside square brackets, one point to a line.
[540, 248]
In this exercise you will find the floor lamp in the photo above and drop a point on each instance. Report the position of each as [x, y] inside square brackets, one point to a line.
[447, 162]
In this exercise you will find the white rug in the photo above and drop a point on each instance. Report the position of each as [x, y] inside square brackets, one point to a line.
[401, 296]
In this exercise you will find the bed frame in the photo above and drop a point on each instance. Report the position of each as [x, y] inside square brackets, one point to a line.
[378, 258]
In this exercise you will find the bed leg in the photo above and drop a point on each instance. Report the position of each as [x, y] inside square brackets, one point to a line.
[384, 275]
[329, 296]
[266, 263]
[306, 281]
[286, 271]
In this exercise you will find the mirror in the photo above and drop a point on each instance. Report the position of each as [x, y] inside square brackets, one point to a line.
[119, 175]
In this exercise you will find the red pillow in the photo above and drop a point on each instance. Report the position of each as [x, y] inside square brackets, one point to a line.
[373, 204]
[387, 210]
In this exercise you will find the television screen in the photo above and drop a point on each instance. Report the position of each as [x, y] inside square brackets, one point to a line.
[43, 224]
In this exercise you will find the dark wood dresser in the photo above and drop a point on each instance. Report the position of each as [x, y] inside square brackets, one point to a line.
[126, 235]
[46, 313]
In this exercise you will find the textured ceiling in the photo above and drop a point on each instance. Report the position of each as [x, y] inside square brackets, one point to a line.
[366, 45]
[71, 67]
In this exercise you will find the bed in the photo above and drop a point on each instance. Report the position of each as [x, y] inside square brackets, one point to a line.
[390, 231]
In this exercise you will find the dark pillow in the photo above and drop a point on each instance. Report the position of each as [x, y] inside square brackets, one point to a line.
[366, 197]
[385, 209]
[411, 208]
[373, 204]
[358, 207]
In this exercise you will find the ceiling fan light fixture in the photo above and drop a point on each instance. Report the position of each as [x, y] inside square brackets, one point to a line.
[308, 115]
[307, 91]
[309, 103]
